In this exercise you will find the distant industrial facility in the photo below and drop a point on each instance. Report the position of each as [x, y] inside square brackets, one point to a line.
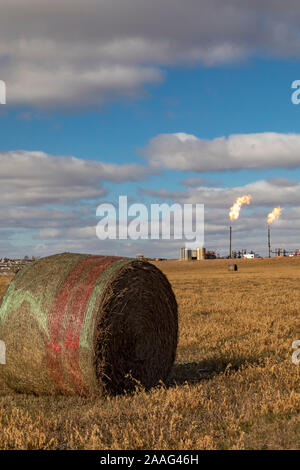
[187, 254]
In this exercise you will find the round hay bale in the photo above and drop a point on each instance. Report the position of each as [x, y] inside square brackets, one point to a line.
[232, 267]
[83, 324]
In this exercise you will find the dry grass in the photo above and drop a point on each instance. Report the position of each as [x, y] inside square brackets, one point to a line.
[4, 281]
[238, 390]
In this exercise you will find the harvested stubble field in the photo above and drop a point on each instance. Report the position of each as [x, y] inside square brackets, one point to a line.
[233, 385]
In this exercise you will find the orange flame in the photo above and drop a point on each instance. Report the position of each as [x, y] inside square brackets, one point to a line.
[274, 214]
[235, 209]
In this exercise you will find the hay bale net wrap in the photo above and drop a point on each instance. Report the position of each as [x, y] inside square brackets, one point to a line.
[83, 324]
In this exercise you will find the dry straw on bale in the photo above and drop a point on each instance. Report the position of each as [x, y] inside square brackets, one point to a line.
[83, 324]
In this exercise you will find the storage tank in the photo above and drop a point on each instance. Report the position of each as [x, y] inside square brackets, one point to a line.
[201, 253]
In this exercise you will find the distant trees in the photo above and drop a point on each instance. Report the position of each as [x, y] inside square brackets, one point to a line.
[33, 258]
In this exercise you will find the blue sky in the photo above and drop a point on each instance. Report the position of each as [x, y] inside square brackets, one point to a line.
[69, 110]
[254, 96]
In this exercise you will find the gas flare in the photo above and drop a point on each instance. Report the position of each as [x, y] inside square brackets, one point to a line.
[274, 214]
[235, 209]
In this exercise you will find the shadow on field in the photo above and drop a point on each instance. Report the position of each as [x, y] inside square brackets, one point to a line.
[193, 372]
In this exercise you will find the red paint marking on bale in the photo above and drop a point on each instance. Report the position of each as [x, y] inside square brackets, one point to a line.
[56, 347]
[56, 321]
[78, 304]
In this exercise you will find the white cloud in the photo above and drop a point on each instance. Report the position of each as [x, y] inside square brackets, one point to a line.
[193, 182]
[186, 152]
[63, 53]
[36, 178]
[55, 230]
[44, 217]
[264, 194]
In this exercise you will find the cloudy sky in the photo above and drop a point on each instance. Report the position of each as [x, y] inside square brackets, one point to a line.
[164, 101]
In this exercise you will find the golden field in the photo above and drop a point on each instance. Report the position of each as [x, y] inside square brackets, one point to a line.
[233, 385]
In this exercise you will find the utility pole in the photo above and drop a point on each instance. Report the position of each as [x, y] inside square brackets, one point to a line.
[269, 241]
[230, 242]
